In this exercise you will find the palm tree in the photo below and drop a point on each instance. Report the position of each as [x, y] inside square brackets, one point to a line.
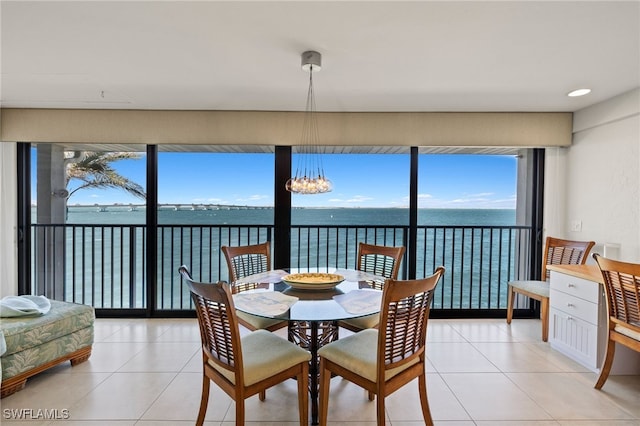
[94, 170]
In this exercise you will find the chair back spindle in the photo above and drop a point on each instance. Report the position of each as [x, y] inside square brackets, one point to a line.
[248, 264]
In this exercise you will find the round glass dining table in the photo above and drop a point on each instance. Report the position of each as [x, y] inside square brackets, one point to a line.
[313, 314]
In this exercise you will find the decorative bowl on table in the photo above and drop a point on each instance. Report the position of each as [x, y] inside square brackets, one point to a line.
[313, 280]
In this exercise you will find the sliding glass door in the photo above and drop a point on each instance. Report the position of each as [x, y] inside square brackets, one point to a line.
[207, 200]
[110, 228]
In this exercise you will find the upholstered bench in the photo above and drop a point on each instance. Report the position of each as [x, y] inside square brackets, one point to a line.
[35, 343]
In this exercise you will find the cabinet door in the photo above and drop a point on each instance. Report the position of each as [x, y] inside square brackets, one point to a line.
[574, 337]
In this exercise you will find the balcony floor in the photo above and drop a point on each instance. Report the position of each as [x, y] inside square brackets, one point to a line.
[481, 372]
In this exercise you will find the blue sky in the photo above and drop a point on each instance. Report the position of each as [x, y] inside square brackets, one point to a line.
[371, 180]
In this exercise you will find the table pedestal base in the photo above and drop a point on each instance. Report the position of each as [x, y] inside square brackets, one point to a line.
[312, 335]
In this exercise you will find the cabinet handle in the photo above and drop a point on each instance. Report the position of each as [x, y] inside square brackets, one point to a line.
[570, 305]
[569, 318]
[571, 285]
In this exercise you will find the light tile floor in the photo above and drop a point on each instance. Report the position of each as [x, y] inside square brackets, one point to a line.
[480, 372]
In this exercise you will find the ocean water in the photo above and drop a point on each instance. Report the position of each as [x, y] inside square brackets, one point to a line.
[194, 215]
[104, 249]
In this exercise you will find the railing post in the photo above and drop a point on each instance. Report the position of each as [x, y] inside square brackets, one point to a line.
[132, 266]
[407, 270]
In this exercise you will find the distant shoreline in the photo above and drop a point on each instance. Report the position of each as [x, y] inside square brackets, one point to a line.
[202, 206]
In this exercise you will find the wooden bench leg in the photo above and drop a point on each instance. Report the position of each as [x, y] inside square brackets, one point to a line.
[81, 357]
[10, 386]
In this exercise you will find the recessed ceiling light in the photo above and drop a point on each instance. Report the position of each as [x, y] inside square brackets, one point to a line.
[579, 92]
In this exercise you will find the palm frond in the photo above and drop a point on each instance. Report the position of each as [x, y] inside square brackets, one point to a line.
[94, 170]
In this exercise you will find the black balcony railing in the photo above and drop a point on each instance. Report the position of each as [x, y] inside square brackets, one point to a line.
[104, 265]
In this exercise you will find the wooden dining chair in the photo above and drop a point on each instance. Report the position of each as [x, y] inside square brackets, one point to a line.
[243, 261]
[400, 345]
[242, 366]
[556, 252]
[383, 261]
[380, 260]
[622, 293]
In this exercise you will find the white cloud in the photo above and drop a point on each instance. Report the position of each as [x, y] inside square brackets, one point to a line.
[482, 200]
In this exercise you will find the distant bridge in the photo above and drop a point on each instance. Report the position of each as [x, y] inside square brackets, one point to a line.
[172, 206]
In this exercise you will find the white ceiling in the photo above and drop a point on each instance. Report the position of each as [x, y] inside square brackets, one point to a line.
[377, 56]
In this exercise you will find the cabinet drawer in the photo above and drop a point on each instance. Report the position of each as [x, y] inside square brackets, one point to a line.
[578, 287]
[574, 306]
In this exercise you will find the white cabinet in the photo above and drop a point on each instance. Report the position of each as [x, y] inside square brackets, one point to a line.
[573, 318]
[578, 319]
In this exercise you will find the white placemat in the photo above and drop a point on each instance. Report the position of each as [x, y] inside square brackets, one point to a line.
[360, 302]
[268, 303]
[355, 275]
[270, 277]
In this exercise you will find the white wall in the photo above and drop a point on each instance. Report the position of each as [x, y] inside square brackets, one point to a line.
[8, 223]
[596, 181]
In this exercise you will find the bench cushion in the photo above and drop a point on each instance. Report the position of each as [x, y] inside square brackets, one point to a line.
[31, 342]
[64, 318]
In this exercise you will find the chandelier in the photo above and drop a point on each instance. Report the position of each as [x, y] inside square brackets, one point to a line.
[309, 177]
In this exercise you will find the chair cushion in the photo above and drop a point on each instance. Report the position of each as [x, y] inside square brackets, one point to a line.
[256, 321]
[265, 354]
[627, 332]
[540, 288]
[370, 321]
[358, 353]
